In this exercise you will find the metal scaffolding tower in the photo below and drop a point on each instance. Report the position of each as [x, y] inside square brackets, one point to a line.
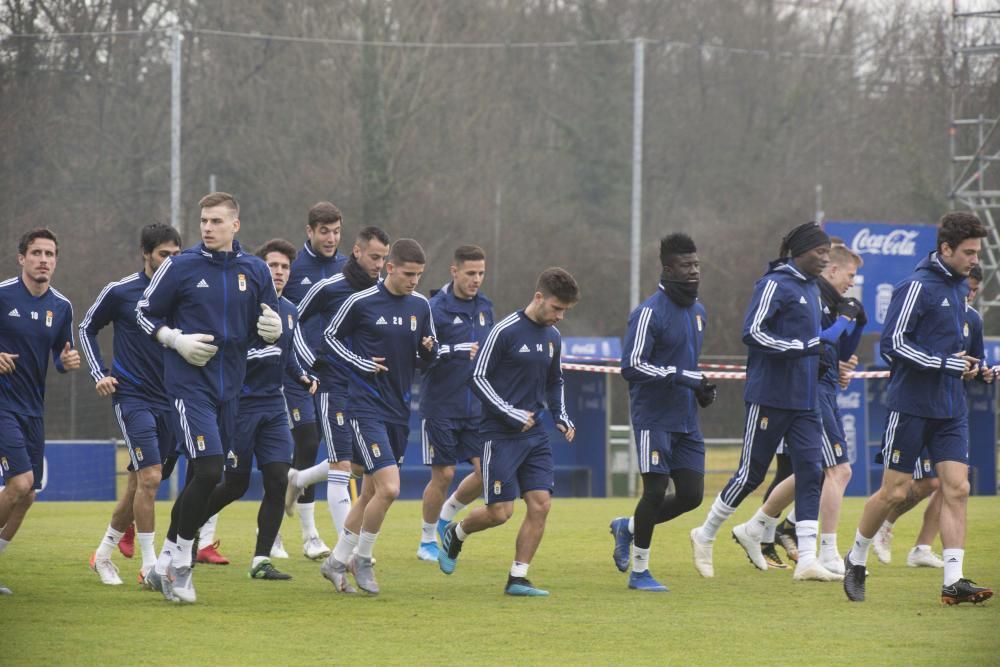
[975, 131]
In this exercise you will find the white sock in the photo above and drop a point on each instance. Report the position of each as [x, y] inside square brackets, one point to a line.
[313, 475]
[791, 516]
[451, 507]
[805, 536]
[459, 533]
[828, 546]
[366, 544]
[3, 545]
[859, 552]
[428, 532]
[146, 548]
[338, 497]
[631, 525]
[887, 525]
[257, 560]
[952, 565]
[307, 519]
[182, 554]
[519, 569]
[719, 512]
[206, 536]
[166, 556]
[640, 559]
[757, 527]
[108, 543]
[769, 531]
[345, 546]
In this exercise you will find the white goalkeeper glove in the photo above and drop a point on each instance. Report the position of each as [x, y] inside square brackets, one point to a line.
[268, 324]
[194, 348]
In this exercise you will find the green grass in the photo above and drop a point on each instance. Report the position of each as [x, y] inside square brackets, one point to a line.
[61, 614]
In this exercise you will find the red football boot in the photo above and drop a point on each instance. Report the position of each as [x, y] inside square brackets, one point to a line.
[127, 544]
[211, 556]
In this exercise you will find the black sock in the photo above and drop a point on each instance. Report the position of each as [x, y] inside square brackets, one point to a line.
[306, 437]
[272, 507]
[654, 487]
[689, 490]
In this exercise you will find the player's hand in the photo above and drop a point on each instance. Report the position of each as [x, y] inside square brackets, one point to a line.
[427, 342]
[106, 386]
[195, 348]
[7, 362]
[473, 350]
[971, 368]
[530, 424]
[380, 366]
[568, 432]
[849, 308]
[268, 324]
[69, 358]
[310, 384]
[990, 374]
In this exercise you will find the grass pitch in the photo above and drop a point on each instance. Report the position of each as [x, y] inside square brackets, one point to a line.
[61, 614]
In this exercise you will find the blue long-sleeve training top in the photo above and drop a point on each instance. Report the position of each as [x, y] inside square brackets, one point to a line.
[270, 365]
[316, 311]
[308, 268]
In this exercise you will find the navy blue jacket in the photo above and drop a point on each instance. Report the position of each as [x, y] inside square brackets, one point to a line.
[316, 311]
[268, 365]
[660, 363]
[517, 371]
[215, 293]
[444, 391]
[924, 327]
[782, 328]
[32, 327]
[378, 323]
[137, 364]
[845, 340]
[308, 269]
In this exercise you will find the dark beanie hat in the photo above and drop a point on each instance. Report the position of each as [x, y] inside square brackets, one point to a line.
[804, 238]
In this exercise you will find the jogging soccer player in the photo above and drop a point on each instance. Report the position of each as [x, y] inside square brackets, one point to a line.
[517, 374]
[134, 382]
[660, 363]
[924, 342]
[36, 320]
[316, 310]
[317, 260]
[451, 412]
[262, 429]
[206, 305]
[843, 321]
[782, 332]
[388, 326]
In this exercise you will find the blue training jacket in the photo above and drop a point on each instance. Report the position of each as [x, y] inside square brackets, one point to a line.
[660, 363]
[924, 326]
[781, 330]
[308, 269]
[316, 310]
[215, 293]
[444, 391]
[269, 365]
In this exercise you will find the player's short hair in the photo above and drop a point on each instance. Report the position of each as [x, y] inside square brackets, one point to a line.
[841, 255]
[675, 244]
[958, 226]
[277, 245]
[976, 273]
[156, 234]
[368, 233]
[836, 240]
[469, 253]
[324, 213]
[38, 233]
[558, 283]
[407, 251]
[220, 199]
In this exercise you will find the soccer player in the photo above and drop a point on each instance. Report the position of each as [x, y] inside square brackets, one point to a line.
[451, 412]
[205, 305]
[35, 320]
[134, 382]
[317, 260]
[660, 363]
[387, 325]
[262, 429]
[843, 322]
[782, 331]
[517, 374]
[316, 310]
[924, 342]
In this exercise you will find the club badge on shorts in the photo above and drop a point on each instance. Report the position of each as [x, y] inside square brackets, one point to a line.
[138, 454]
[655, 458]
[413, 322]
[375, 450]
[497, 488]
[763, 423]
[3, 463]
[242, 281]
[340, 419]
[296, 415]
[895, 456]
[837, 449]
[200, 443]
[48, 318]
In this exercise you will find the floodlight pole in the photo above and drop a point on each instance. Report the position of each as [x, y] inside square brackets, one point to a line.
[638, 79]
[175, 131]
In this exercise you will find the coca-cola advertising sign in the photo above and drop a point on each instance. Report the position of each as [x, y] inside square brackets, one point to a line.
[896, 242]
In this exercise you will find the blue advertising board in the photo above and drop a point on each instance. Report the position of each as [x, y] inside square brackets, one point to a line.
[78, 470]
[852, 405]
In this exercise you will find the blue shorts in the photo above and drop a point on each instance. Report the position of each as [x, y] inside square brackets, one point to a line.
[149, 432]
[924, 467]
[263, 435]
[377, 444]
[445, 442]
[22, 446]
[334, 426]
[511, 468]
[908, 438]
[301, 405]
[834, 441]
[660, 451]
[206, 427]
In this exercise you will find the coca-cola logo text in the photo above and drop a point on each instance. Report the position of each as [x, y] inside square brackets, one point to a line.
[897, 242]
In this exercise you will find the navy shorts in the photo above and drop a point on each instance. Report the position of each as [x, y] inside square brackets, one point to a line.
[909, 438]
[660, 451]
[22, 446]
[149, 432]
[445, 442]
[336, 430]
[834, 441]
[377, 444]
[511, 468]
[261, 435]
[301, 404]
[206, 427]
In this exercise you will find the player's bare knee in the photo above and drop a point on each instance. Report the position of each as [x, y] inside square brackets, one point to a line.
[442, 475]
[20, 486]
[957, 490]
[499, 513]
[896, 494]
[149, 481]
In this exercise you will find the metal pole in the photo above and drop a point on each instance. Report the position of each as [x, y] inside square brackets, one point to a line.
[638, 74]
[175, 132]
[211, 183]
[495, 260]
[820, 213]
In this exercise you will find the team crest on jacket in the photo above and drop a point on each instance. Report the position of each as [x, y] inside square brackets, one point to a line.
[701, 325]
[242, 280]
[482, 319]
[552, 349]
[965, 330]
[375, 450]
[291, 325]
[413, 322]
[497, 487]
[763, 423]
[48, 318]
[340, 420]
